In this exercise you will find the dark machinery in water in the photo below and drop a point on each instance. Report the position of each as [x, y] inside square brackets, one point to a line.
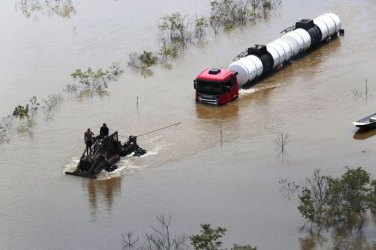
[106, 152]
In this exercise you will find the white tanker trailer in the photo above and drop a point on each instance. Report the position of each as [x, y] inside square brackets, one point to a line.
[220, 86]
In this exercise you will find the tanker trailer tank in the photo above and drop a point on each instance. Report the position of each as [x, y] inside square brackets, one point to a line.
[329, 25]
[286, 46]
[248, 69]
[260, 60]
[305, 37]
[313, 31]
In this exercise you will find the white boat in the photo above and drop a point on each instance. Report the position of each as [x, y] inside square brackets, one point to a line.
[366, 122]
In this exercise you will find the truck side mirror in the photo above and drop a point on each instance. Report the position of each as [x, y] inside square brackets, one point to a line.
[195, 84]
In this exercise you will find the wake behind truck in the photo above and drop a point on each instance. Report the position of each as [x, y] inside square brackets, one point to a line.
[220, 86]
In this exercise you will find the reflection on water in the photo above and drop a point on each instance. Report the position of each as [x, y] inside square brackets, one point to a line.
[344, 238]
[63, 8]
[103, 192]
[363, 134]
[312, 241]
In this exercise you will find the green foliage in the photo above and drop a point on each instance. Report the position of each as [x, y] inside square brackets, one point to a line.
[267, 4]
[337, 202]
[209, 238]
[312, 204]
[148, 59]
[96, 79]
[90, 77]
[21, 111]
[160, 238]
[176, 26]
[142, 61]
[91, 80]
[177, 31]
[232, 13]
[200, 26]
[167, 51]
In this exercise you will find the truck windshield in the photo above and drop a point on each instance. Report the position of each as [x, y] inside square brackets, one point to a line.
[209, 88]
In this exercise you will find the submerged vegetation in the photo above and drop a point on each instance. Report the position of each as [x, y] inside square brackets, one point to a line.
[98, 79]
[161, 238]
[21, 111]
[341, 205]
[177, 30]
[281, 142]
[93, 81]
[337, 202]
[362, 94]
[142, 62]
[63, 8]
[5, 125]
[229, 14]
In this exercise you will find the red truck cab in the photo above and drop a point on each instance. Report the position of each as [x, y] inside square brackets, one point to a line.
[216, 86]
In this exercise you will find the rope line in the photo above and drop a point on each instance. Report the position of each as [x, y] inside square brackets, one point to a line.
[175, 124]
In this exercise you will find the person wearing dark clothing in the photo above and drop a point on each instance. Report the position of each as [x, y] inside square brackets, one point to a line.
[104, 131]
[88, 138]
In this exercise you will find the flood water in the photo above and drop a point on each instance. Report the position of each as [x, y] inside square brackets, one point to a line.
[189, 171]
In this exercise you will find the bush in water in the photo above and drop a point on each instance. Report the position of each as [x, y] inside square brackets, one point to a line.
[230, 14]
[96, 79]
[162, 238]
[337, 202]
[91, 79]
[26, 125]
[200, 26]
[208, 237]
[177, 31]
[63, 8]
[175, 27]
[21, 111]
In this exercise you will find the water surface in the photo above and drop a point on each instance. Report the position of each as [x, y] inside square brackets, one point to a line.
[188, 171]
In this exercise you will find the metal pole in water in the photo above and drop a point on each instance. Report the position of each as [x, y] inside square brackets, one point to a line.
[137, 102]
[220, 129]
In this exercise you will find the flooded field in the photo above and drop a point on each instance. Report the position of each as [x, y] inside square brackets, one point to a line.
[189, 171]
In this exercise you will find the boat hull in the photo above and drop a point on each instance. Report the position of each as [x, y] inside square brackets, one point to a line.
[366, 122]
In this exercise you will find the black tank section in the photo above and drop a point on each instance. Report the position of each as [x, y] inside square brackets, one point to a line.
[265, 57]
[313, 31]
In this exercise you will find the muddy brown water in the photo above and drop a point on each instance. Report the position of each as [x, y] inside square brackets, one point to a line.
[189, 171]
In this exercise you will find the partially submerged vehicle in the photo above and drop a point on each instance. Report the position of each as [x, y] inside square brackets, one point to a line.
[106, 152]
[366, 122]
